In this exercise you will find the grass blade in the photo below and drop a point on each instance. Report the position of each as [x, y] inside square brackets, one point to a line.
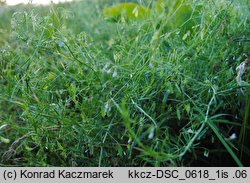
[230, 151]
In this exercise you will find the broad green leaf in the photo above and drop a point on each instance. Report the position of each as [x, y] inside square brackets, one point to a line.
[183, 16]
[179, 14]
[126, 10]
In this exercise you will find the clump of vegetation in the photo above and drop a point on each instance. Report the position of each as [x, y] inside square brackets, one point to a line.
[126, 10]
[162, 90]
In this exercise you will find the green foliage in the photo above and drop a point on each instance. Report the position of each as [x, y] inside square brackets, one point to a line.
[178, 12]
[127, 11]
[160, 91]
